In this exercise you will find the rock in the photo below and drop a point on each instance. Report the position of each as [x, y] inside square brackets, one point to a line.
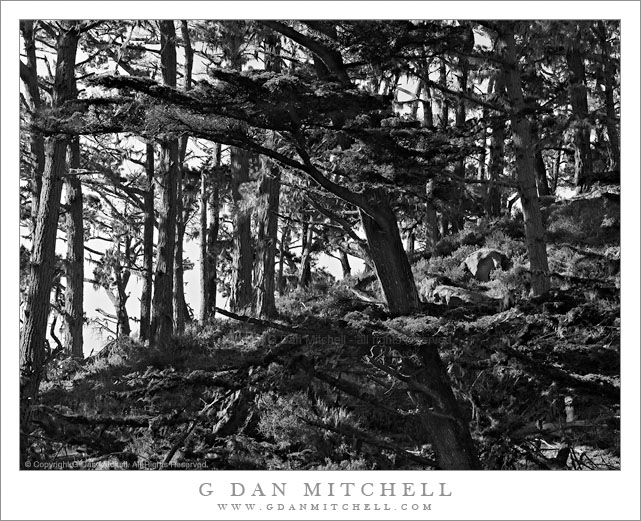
[455, 297]
[483, 261]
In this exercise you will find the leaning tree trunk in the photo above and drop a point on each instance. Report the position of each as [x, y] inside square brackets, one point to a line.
[148, 247]
[162, 326]
[441, 416]
[526, 178]
[579, 101]
[41, 271]
[74, 265]
[388, 255]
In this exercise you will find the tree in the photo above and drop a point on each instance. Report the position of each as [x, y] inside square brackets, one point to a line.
[579, 100]
[148, 244]
[162, 325]
[41, 272]
[524, 152]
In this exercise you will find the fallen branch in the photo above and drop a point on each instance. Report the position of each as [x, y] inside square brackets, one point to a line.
[344, 430]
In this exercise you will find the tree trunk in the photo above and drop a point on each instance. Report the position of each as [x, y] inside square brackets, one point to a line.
[267, 221]
[180, 305]
[242, 261]
[305, 272]
[428, 116]
[284, 250]
[148, 247]
[390, 260]
[212, 235]
[445, 106]
[74, 265]
[162, 326]
[526, 178]
[344, 260]
[41, 271]
[179, 272]
[539, 164]
[612, 120]
[441, 416]
[431, 221]
[29, 76]
[204, 260]
[458, 217]
[242, 255]
[579, 102]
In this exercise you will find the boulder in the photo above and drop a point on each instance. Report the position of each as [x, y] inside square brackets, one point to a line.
[482, 262]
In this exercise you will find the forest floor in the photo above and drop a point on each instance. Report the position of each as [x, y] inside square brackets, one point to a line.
[538, 378]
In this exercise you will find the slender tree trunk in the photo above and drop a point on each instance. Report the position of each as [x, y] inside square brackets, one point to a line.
[212, 234]
[497, 153]
[267, 210]
[29, 76]
[579, 102]
[428, 115]
[242, 255]
[267, 221]
[390, 260]
[305, 272]
[148, 247]
[37, 306]
[431, 221]
[445, 106]
[344, 260]
[284, 250]
[179, 272]
[74, 265]
[204, 260]
[539, 164]
[526, 178]
[162, 326]
[458, 217]
[242, 258]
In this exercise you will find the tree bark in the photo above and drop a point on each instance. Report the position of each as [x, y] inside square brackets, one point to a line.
[390, 260]
[148, 247]
[74, 265]
[526, 178]
[162, 326]
[41, 271]
[579, 101]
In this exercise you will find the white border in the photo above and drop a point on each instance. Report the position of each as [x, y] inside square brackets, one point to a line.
[476, 495]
